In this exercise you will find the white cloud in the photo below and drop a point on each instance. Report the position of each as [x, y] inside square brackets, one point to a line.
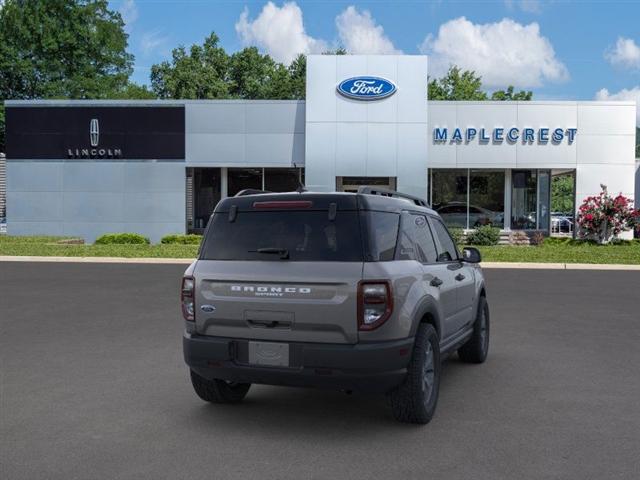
[360, 34]
[528, 6]
[626, 53]
[504, 53]
[129, 12]
[151, 41]
[278, 31]
[632, 94]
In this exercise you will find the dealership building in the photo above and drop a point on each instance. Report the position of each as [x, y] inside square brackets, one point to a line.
[84, 168]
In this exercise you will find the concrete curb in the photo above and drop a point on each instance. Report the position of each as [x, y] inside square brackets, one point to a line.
[559, 266]
[7, 258]
[187, 261]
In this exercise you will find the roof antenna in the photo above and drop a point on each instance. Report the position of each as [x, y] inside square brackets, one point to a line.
[301, 188]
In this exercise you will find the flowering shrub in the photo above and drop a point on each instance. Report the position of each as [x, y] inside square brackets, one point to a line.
[604, 217]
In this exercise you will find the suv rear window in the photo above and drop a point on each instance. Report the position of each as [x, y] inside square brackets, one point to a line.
[306, 236]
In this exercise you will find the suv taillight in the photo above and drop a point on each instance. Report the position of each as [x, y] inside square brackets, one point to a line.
[375, 303]
[187, 295]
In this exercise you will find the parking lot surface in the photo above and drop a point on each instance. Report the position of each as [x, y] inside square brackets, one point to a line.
[93, 386]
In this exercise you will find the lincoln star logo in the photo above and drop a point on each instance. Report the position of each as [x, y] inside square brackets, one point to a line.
[271, 291]
[94, 141]
[366, 88]
[94, 132]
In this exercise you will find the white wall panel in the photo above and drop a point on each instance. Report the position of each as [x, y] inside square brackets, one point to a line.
[606, 118]
[382, 150]
[320, 168]
[321, 82]
[351, 149]
[606, 149]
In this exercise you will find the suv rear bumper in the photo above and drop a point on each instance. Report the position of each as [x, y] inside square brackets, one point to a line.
[369, 367]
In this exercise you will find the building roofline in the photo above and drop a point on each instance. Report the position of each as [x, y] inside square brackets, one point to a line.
[534, 102]
[151, 103]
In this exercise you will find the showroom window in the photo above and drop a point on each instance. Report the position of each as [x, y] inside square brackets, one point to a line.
[282, 179]
[448, 195]
[271, 179]
[243, 178]
[530, 199]
[468, 198]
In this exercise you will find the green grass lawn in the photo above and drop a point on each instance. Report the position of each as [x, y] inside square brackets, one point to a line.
[584, 253]
[48, 247]
[576, 252]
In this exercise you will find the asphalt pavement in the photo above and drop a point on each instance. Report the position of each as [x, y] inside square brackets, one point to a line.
[93, 386]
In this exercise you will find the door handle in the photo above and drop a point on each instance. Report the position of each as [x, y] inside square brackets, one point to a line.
[460, 277]
[436, 282]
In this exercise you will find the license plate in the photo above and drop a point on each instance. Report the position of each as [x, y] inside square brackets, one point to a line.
[269, 353]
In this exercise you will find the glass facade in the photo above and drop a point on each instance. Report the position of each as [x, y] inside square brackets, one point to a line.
[448, 195]
[282, 179]
[486, 198]
[470, 198]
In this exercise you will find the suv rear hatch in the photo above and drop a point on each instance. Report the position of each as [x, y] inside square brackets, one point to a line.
[281, 267]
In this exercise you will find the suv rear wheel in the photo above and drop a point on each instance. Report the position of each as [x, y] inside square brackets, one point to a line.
[477, 347]
[415, 400]
[218, 391]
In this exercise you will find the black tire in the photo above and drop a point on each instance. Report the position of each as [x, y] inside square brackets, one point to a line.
[218, 391]
[477, 347]
[415, 400]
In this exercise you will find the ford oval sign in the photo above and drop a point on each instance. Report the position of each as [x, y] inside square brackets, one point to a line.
[366, 88]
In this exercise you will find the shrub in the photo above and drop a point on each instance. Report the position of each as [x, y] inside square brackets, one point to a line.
[518, 238]
[181, 239]
[485, 235]
[537, 238]
[603, 217]
[457, 234]
[122, 239]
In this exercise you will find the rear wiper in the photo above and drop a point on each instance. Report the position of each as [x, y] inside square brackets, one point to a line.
[283, 252]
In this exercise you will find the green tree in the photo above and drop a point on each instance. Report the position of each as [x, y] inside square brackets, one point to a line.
[457, 85]
[510, 95]
[199, 74]
[61, 49]
[298, 74]
[562, 193]
[208, 72]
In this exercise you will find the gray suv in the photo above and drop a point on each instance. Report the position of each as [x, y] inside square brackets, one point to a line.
[353, 291]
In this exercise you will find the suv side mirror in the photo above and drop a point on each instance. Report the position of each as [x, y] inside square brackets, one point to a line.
[471, 255]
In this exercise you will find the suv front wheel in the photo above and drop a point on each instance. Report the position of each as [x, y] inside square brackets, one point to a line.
[477, 347]
[218, 391]
[415, 400]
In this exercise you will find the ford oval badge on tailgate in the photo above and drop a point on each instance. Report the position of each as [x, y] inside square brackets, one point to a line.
[366, 88]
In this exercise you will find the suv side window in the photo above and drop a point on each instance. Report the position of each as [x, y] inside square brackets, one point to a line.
[416, 241]
[446, 247]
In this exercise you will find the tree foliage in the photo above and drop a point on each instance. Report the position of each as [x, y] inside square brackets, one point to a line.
[458, 84]
[510, 95]
[562, 193]
[62, 49]
[207, 72]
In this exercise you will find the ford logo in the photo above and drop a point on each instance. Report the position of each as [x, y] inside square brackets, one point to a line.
[208, 308]
[366, 88]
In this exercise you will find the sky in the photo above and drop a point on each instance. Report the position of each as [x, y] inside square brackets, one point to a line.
[561, 50]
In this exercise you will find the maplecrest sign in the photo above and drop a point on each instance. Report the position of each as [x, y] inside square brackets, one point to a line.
[510, 135]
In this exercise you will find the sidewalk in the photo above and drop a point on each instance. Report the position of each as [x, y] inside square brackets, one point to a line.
[186, 261]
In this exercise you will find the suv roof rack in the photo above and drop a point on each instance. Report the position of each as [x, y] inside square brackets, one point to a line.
[250, 191]
[385, 192]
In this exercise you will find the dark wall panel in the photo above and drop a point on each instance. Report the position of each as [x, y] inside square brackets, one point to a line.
[145, 132]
